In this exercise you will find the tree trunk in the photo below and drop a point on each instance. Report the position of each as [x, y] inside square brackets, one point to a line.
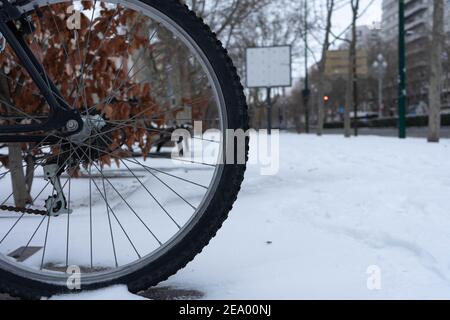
[21, 190]
[298, 120]
[322, 65]
[320, 103]
[19, 186]
[29, 173]
[435, 89]
[350, 100]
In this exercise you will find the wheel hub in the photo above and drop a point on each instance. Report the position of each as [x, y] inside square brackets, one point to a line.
[90, 124]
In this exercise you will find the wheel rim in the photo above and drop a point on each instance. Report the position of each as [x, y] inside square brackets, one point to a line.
[98, 275]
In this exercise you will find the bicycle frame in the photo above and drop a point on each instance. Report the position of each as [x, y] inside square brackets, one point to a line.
[60, 112]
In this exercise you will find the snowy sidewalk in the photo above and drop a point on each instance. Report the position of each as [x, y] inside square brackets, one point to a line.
[336, 207]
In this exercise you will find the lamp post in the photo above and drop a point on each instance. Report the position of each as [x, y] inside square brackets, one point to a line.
[379, 66]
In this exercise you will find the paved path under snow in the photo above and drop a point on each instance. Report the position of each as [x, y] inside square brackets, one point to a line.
[336, 207]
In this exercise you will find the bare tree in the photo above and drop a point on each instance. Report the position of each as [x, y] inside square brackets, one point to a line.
[249, 23]
[436, 72]
[21, 191]
[322, 64]
[19, 95]
[351, 92]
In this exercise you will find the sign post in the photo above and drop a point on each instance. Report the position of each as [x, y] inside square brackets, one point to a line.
[269, 110]
[269, 67]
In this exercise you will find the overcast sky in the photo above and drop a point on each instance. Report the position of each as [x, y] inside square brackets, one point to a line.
[372, 13]
[341, 21]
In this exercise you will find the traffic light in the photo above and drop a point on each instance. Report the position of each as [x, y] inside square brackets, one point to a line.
[326, 98]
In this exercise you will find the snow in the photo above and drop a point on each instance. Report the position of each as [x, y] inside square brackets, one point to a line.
[336, 207]
[111, 293]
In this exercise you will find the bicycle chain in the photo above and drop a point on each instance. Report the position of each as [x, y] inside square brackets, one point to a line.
[24, 210]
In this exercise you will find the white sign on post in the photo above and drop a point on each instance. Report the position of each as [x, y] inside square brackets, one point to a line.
[269, 67]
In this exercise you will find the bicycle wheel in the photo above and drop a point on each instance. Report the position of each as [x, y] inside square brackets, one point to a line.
[113, 206]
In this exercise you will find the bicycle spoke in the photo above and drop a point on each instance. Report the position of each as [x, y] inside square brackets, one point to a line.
[45, 243]
[34, 168]
[115, 217]
[151, 195]
[103, 40]
[38, 227]
[23, 214]
[86, 50]
[109, 218]
[68, 223]
[33, 235]
[63, 43]
[171, 189]
[168, 174]
[126, 202]
[140, 126]
[135, 78]
[152, 168]
[91, 251]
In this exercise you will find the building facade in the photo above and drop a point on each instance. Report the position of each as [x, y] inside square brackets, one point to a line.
[418, 25]
[367, 37]
[389, 20]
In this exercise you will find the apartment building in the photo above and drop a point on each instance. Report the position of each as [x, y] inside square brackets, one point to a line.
[389, 20]
[418, 25]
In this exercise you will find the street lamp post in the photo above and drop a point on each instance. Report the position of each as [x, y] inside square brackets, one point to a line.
[379, 66]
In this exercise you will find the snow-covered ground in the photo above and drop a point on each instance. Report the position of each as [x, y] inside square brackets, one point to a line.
[336, 207]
